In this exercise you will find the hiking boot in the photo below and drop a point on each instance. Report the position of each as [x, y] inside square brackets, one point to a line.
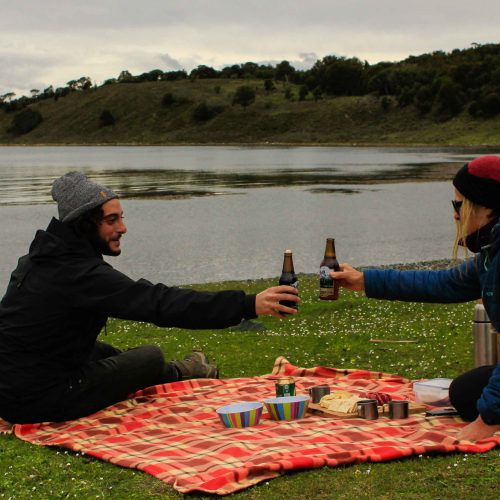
[196, 365]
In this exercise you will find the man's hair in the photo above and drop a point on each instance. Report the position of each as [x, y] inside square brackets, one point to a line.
[87, 223]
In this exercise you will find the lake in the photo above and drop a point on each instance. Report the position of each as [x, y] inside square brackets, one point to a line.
[197, 214]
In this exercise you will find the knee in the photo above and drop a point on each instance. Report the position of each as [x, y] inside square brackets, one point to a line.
[153, 355]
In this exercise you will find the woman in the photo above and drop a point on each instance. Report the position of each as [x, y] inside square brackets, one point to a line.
[475, 394]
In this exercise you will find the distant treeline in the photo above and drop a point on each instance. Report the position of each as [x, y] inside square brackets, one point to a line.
[444, 84]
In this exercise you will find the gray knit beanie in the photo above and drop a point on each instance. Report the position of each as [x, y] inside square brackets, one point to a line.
[75, 194]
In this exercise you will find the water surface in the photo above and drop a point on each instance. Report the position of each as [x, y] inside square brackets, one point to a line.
[201, 214]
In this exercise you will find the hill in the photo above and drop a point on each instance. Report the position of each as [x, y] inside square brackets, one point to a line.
[201, 111]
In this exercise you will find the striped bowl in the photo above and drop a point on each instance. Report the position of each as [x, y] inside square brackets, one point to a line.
[241, 414]
[288, 407]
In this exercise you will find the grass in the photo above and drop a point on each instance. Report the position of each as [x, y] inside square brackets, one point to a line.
[141, 119]
[335, 334]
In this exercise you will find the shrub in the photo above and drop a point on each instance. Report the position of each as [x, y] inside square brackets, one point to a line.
[245, 95]
[490, 105]
[106, 118]
[25, 122]
[385, 103]
[424, 99]
[204, 112]
[168, 100]
[474, 109]
[269, 85]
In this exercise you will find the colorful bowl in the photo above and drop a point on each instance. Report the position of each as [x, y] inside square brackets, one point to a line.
[288, 407]
[241, 414]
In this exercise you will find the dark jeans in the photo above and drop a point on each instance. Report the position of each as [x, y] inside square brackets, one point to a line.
[466, 389]
[109, 376]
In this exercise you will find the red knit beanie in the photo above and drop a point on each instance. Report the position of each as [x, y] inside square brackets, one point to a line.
[479, 181]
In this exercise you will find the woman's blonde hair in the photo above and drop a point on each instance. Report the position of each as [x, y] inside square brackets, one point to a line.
[467, 212]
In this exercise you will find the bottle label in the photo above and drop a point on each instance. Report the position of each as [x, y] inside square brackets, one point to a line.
[325, 281]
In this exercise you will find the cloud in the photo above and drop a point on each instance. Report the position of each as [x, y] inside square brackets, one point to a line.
[170, 63]
[52, 42]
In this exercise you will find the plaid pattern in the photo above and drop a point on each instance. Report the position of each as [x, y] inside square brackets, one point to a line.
[173, 433]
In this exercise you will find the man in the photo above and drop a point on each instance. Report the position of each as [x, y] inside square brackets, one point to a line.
[60, 296]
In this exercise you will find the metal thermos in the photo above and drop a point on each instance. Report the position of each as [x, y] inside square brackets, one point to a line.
[485, 338]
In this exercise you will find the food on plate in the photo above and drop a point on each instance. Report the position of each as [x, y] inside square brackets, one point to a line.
[335, 395]
[341, 402]
[381, 397]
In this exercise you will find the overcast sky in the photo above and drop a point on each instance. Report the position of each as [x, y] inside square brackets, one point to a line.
[49, 42]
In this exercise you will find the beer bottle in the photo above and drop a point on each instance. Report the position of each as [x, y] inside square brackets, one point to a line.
[328, 287]
[288, 277]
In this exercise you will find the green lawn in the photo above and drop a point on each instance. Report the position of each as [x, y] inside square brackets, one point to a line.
[335, 334]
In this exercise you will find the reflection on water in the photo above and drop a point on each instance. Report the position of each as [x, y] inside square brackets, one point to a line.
[26, 173]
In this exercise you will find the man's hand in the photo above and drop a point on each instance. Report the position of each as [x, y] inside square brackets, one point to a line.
[349, 277]
[477, 430]
[268, 301]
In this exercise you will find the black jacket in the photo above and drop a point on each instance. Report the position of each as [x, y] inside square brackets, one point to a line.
[59, 298]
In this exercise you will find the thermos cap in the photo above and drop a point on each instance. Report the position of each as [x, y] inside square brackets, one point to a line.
[480, 314]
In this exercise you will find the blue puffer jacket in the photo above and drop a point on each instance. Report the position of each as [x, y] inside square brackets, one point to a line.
[476, 278]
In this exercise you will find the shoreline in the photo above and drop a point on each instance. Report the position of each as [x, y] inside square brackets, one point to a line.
[420, 265]
[264, 144]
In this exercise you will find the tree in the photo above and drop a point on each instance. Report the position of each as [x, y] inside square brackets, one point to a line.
[34, 93]
[151, 76]
[244, 95]
[284, 71]
[84, 83]
[8, 96]
[174, 75]
[203, 71]
[449, 98]
[125, 77]
[424, 99]
[48, 92]
[25, 122]
[339, 76]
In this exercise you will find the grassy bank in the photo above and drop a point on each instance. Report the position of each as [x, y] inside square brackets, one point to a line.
[141, 118]
[335, 334]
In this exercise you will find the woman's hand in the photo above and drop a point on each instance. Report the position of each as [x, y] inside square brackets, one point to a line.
[349, 278]
[268, 301]
[477, 430]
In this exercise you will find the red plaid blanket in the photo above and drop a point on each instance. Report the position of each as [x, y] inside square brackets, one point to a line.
[172, 432]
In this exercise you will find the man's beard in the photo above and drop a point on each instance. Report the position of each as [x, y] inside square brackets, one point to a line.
[102, 246]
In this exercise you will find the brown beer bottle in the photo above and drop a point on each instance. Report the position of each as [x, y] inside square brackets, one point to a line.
[328, 287]
[288, 277]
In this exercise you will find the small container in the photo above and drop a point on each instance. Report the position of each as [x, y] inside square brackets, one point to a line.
[368, 409]
[285, 386]
[317, 392]
[398, 409]
[287, 408]
[241, 414]
[433, 391]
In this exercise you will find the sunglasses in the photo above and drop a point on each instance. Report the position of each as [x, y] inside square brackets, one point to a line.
[457, 204]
